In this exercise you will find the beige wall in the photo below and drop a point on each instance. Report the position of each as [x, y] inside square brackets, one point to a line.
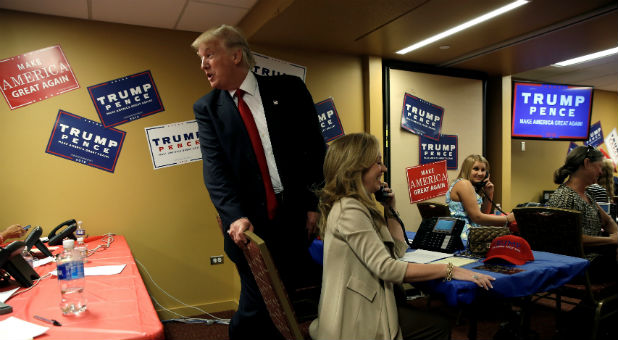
[462, 100]
[166, 214]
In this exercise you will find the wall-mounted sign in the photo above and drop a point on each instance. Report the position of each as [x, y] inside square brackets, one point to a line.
[125, 99]
[85, 141]
[329, 120]
[430, 150]
[36, 76]
[596, 135]
[427, 181]
[174, 144]
[611, 142]
[572, 146]
[268, 66]
[421, 117]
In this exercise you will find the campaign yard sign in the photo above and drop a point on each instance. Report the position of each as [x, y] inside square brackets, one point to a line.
[571, 147]
[268, 66]
[329, 120]
[125, 99]
[445, 148]
[174, 144]
[421, 117]
[596, 135]
[611, 142]
[85, 141]
[427, 181]
[36, 76]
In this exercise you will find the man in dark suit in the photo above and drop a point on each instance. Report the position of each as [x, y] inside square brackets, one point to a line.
[274, 199]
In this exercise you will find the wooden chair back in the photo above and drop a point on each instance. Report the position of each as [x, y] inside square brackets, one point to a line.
[433, 209]
[559, 231]
[271, 287]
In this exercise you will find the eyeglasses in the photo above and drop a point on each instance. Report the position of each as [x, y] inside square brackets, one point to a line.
[589, 149]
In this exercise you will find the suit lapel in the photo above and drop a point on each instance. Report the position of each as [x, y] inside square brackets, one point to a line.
[273, 113]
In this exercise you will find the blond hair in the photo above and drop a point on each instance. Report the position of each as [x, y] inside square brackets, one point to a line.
[347, 160]
[231, 37]
[468, 164]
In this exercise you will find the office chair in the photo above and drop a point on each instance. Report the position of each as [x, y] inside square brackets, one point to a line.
[433, 209]
[272, 289]
[559, 231]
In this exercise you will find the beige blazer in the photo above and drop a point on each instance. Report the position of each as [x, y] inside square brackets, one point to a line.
[360, 269]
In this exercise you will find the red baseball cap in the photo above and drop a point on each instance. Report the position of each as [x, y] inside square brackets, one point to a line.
[510, 248]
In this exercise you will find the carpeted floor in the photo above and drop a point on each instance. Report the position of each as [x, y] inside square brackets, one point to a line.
[496, 322]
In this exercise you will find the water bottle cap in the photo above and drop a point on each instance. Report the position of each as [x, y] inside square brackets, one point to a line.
[68, 243]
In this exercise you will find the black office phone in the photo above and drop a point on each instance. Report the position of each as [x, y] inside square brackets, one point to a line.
[439, 234]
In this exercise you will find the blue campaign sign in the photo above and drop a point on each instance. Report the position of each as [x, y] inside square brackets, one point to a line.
[430, 151]
[85, 141]
[571, 147]
[421, 117]
[125, 99]
[329, 120]
[596, 135]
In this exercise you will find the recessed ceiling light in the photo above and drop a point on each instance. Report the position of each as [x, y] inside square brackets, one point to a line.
[463, 26]
[444, 47]
[587, 57]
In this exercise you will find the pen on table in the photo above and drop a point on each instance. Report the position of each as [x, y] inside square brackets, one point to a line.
[53, 322]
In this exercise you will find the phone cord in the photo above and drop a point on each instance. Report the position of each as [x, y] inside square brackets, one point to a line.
[405, 235]
[493, 205]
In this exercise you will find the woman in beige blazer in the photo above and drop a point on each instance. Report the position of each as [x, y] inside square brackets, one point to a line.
[362, 274]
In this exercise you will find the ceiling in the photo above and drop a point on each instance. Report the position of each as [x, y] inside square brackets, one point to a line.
[520, 43]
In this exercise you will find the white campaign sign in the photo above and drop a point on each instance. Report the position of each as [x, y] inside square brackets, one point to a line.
[267, 66]
[174, 144]
[611, 142]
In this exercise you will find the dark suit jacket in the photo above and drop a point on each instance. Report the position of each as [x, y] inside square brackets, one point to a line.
[231, 171]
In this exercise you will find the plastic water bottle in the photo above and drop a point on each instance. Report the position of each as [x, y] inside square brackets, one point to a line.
[70, 268]
[28, 257]
[82, 249]
[497, 210]
[80, 231]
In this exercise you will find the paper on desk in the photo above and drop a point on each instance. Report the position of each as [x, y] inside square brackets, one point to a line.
[6, 295]
[457, 261]
[424, 256]
[42, 261]
[100, 270]
[17, 329]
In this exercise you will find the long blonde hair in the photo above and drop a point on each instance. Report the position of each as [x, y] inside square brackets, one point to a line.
[347, 159]
[468, 164]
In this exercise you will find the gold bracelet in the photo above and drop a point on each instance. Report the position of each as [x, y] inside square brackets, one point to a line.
[449, 272]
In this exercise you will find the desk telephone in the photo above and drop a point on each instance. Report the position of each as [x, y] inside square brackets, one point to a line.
[57, 235]
[439, 234]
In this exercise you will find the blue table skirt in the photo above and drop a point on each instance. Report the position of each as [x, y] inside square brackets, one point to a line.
[547, 271]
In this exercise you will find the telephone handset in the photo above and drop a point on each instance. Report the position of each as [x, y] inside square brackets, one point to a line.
[56, 237]
[381, 196]
[480, 185]
[34, 239]
[14, 264]
[439, 234]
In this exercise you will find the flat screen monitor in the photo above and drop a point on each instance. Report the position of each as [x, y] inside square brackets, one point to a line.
[551, 111]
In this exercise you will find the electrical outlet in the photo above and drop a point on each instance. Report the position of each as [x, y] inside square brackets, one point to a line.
[216, 259]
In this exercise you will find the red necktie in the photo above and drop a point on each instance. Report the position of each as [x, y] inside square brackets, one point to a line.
[256, 141]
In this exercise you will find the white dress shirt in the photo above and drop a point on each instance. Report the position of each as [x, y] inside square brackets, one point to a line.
[254, 101]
